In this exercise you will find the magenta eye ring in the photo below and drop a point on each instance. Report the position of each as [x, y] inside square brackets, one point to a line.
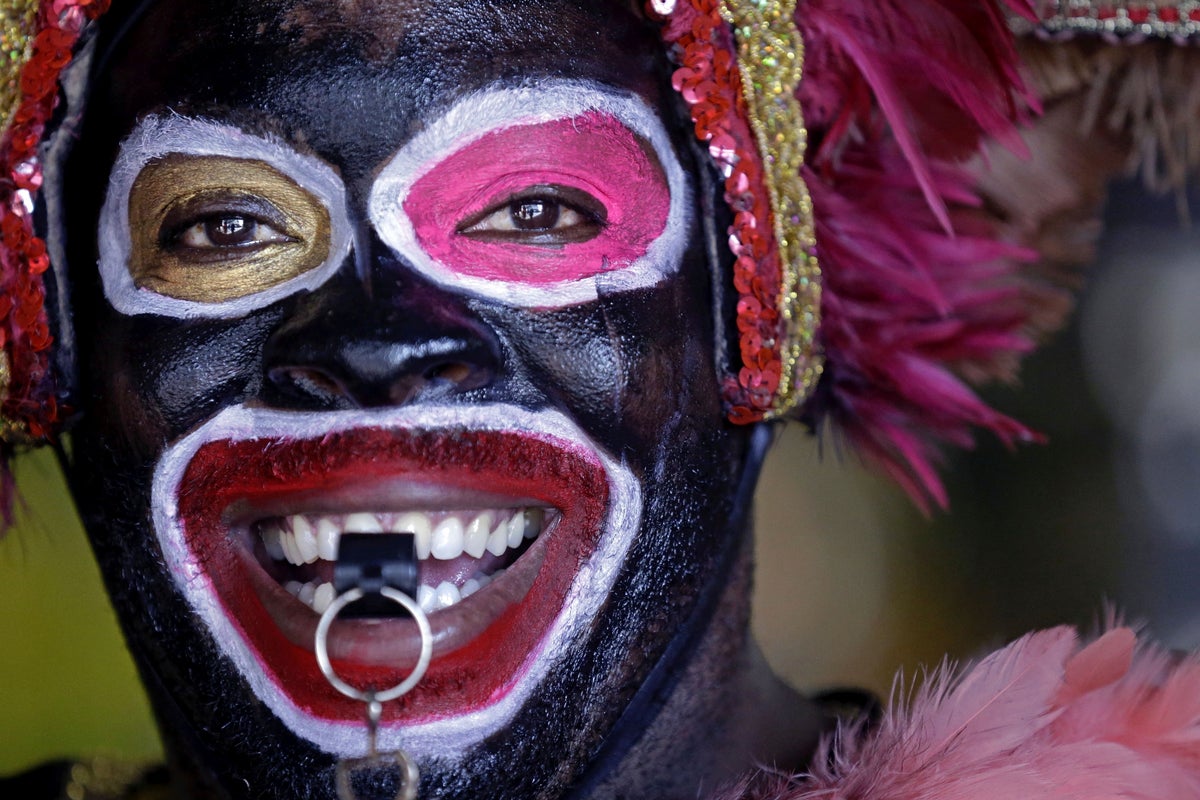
[609, 148]
[362, 695]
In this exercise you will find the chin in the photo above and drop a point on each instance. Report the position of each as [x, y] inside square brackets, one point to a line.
[522, 526]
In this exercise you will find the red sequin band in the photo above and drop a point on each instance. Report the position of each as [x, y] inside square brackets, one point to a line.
[710, 83]
[29, 408]
[1121, 19]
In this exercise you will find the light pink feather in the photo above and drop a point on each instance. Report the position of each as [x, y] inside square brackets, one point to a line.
[1042, 719]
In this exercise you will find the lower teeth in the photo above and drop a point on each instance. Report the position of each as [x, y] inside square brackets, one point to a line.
[318, 595]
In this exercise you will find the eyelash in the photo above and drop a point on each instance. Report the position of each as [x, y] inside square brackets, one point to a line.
[261, 213]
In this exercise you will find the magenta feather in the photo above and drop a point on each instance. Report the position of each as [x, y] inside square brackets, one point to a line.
[920, 294]
[908, 311]
[962, 53]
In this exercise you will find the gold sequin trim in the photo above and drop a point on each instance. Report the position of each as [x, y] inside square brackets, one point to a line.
[17, 19]
[109, 779]
[9, 430]
[771, 62]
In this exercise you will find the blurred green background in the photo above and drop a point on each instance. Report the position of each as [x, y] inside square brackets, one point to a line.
[67, 686]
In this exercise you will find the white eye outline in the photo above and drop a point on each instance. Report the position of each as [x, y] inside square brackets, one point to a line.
[493, 110]
[159, 136]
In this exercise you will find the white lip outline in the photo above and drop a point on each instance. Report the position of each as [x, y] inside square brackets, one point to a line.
[446, 739]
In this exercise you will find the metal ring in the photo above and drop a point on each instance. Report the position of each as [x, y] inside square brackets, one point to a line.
[410, 776]
[400, 689]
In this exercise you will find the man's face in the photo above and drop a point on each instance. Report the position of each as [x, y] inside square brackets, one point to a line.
[424, 267]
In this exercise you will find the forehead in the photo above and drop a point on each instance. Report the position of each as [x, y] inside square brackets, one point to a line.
[353, 79]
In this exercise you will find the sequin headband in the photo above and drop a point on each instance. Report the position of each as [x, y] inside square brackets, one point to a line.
[870, 289]
[37, 41]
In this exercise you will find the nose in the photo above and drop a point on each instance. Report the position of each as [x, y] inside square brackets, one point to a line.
[399, 341]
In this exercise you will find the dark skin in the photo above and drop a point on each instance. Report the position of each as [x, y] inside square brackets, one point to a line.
[350, 83]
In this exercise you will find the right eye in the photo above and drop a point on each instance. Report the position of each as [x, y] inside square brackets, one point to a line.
[222, 226]
[539, 205]
[215, 228]
[219, 231]
[549, 216]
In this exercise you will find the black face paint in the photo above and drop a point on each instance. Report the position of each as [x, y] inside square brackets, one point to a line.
[633, 370]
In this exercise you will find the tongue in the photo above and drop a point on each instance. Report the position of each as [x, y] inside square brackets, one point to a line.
[458, 571]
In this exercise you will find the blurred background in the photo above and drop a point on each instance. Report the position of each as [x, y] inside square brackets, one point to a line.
[853, 582]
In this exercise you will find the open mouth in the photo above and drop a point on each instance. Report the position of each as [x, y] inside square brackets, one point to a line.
[508, 511]
[460, 552]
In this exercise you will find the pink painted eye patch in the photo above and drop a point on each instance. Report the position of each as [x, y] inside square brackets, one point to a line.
[542, 203]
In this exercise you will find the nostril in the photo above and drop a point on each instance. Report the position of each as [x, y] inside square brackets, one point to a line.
[456, 372]
[460, 376]
[438, 380]
[308, 382]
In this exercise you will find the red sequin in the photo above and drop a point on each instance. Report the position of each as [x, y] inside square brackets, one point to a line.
[30, 401]
[709, 82]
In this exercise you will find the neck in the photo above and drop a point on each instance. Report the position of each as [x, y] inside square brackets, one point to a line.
[727, 714]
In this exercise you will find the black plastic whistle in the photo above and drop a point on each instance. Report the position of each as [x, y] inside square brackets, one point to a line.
[371, 561]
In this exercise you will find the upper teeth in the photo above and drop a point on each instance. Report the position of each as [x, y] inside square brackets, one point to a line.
[306, 538]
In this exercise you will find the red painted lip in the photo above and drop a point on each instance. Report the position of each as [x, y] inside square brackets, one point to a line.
[374, 469]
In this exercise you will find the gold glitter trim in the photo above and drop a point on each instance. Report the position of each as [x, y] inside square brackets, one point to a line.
[17, 19]
[11, 431]
[771, 63]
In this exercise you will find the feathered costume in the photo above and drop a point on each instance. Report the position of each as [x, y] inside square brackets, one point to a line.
[939, 272]
[1046, 718]
[890, 250]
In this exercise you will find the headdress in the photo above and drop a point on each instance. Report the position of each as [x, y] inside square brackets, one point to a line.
[873, 290]
[907, 277]
[895, 291]
[37, 41]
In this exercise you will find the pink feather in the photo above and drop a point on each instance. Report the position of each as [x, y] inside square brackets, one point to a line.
[1042, 719]
[962, 53]
[907, 312]
[920, 295]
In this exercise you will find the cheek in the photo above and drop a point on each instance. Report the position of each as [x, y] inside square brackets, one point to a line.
[669, 387]
[634, 369]
[155, 378]
[208, 367]
[568, 356]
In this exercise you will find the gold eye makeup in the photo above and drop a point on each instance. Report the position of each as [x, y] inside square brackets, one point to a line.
[205, 220]
[213, 228]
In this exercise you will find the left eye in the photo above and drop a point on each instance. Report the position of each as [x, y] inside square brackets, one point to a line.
[549, 215]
